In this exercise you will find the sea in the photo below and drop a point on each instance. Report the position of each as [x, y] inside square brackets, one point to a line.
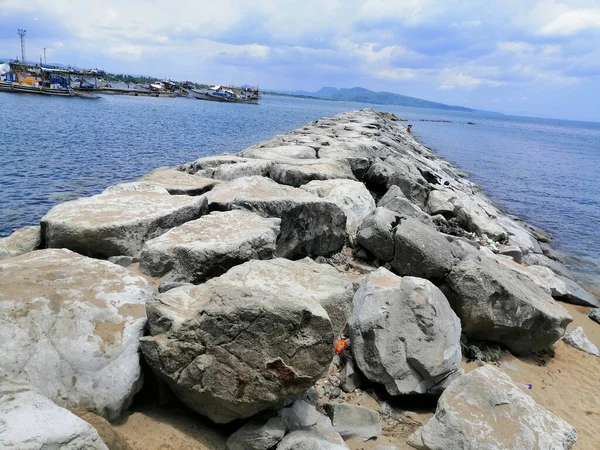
[53, 150]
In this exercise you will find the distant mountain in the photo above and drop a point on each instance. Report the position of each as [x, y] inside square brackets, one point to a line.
[362, 95]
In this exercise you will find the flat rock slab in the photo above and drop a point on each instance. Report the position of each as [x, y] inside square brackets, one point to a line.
[178, 182]
[404, 334]
[354, 421]
[304, 171]
[117, 223]
[21, 241]
[486, 410]
[257, 435]
[229, 351]
[30, 421]
[70, 325]
[284, 154]
[304, 279]
[310, 226]
[498, 304]
[209, 246]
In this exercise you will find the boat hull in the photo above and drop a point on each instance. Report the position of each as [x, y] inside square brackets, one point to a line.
[21, 89]
[215, 98]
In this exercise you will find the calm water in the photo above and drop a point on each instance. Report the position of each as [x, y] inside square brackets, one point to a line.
[53, 150]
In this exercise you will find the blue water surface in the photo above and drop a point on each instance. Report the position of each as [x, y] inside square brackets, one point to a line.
[57, 149]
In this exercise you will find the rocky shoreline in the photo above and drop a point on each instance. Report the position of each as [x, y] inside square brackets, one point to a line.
[221, 286]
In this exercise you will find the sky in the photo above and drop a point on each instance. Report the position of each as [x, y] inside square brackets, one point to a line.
[527, 57]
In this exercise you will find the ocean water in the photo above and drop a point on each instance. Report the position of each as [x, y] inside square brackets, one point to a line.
[54, 149]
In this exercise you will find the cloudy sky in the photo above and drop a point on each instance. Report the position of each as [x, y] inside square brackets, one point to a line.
[527, 57]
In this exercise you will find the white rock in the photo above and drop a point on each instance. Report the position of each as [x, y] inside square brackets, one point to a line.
[209, 246]
[179, 183]
[21, 241]
[351, 196]
[577, 339]
[29, 421]
[484, 409]
[70, 325]
[117, 222]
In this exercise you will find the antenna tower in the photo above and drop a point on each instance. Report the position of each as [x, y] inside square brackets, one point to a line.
[22, 33]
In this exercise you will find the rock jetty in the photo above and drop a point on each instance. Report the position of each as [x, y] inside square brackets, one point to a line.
[228, 284]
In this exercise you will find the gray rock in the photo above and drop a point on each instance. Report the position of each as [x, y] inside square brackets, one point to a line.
[229, 352]
[577, 339]
[513, 251]
[310, 226]
[519, 236]
[404, 334]
[378, 175]
[179, 183]
[577, 295]
[209, 246]
[257, 435]
[299, 414]
[21, 241]
[135, 186]
[421, 251]
[498, 304]
[70, 325]
[440, 202]
[595, 315]
[480, 224]
[395, 200]
[168, 285]
[486, 410]
[118, 223]
[354, 421]
[304, 171]
[123, 261]
[561, 287]
[376, 233]
[30, 421]
[245, 169]
[308, 440]
[409, 179]
[303, 280]
[540, 260]
[285, 154]
[212, 162]
[351, 196]
[350, 378]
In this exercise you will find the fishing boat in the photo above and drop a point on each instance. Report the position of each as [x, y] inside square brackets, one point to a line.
[227, 94]
[23, 79]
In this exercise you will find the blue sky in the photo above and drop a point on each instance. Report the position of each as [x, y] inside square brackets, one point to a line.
[538, 58]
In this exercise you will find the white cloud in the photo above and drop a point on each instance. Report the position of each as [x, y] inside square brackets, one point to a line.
[451, 79]
[572, 22]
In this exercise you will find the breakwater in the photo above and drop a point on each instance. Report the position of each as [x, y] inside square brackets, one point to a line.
[242, 270]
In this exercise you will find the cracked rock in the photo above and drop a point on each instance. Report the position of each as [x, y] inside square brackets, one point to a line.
[404, 334]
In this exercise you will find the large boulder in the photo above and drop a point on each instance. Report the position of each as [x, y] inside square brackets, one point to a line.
[309, 439]
[22, 241]
[284, 153]
[421, 251]
[351, 196]
[212, 162]
[404, 334]
[209, 246]
[228, 351]
[303, 279]
[395, 200]
[486, 410]
[117, 223]
[30, 421]
[179, 183]
[376, 233]
[440, 202]
[70, 325]
[310, 226]
[498, 304]
[480, 223]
